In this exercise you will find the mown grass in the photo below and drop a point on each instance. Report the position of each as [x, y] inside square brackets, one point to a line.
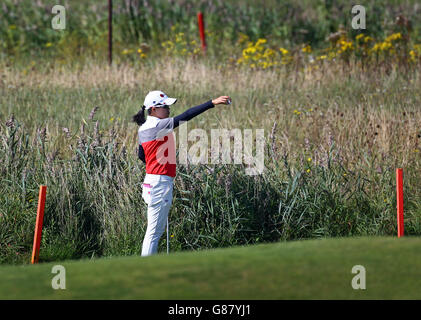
[331, 150]
[314, 269]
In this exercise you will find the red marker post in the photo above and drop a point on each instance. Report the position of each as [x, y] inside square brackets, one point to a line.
[399, 200]
[38, 224]
[202, 30]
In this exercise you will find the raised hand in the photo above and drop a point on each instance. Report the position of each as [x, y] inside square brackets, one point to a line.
[222, 100]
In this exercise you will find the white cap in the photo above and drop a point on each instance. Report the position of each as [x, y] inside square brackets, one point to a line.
[157, 99]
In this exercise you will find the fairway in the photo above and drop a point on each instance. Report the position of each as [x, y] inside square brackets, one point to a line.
[308, 269]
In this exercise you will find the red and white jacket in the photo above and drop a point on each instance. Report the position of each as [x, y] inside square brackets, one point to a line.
[157, 142]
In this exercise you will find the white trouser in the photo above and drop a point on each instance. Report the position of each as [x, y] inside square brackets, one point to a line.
[157, 193]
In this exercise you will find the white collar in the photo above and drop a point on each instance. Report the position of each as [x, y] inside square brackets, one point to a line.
[152, 118]
[150, 122]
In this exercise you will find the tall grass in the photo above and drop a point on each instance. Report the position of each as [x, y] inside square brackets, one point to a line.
[331, 151]
[25, 26]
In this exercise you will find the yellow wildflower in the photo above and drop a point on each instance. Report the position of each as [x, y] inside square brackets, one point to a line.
[268, 53]
[385, 46]
[306, 49]
[250, 50]
[367, 39]
[413, 55]
[394, 37]
[358, 37]
[283, 51]
[260, 41]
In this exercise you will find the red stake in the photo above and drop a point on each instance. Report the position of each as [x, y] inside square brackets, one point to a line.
[201, 30]
[399, 199]
[38, 224]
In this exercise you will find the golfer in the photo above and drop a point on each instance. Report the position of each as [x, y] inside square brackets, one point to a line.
[157, 151]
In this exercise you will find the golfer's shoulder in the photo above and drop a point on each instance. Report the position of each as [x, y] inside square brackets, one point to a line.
[165, 123]
[155, 125]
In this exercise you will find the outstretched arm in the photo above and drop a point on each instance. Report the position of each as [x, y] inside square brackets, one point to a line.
[195, 111]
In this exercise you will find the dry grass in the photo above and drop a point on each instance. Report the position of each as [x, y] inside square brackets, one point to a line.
[374, 113]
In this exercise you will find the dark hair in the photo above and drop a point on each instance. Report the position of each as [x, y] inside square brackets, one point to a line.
[139, 117]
